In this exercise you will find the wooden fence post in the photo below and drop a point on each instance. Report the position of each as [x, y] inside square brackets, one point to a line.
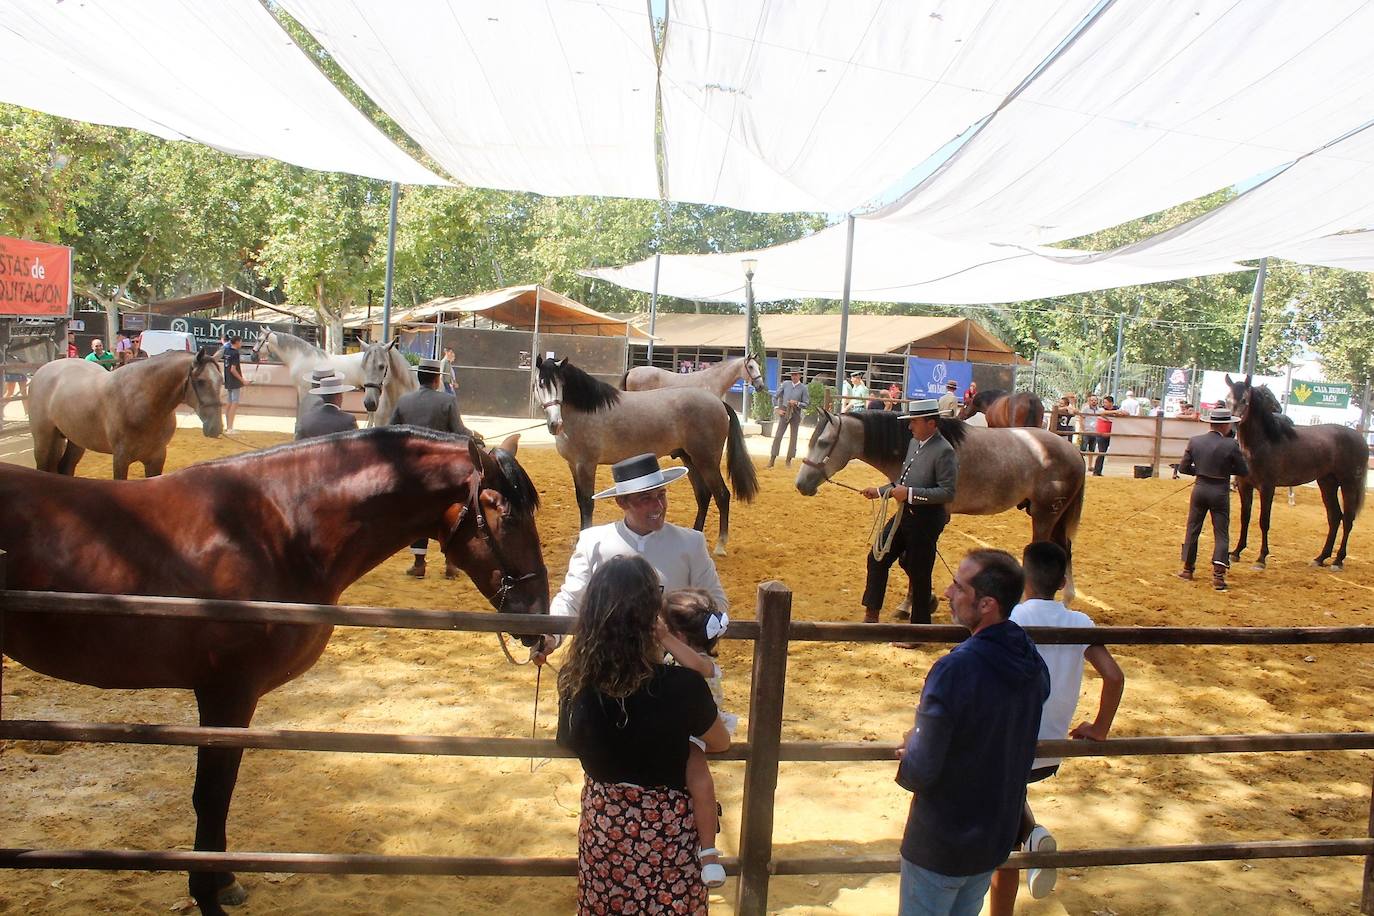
[1159, 445]
[1367, 897]
[765, 736]
[3, 586]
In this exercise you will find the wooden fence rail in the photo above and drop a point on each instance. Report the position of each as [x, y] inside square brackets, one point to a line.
[771, 632]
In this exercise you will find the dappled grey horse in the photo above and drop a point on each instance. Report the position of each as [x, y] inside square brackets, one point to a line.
[718, 378]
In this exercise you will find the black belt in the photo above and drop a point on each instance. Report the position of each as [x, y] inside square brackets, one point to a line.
[1202, 477]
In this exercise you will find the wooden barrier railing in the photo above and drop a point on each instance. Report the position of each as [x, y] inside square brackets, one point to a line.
[771, 632]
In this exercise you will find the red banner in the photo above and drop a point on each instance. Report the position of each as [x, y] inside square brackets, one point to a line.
[35, 279]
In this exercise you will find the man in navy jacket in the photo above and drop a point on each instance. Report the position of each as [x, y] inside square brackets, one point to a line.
[969, 755]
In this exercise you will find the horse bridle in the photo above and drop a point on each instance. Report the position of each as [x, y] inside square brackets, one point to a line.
[262, 341]
[386, 371]
[508, 581]
[820, 465]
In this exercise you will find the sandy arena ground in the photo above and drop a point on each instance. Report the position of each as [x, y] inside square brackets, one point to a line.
[139, 797]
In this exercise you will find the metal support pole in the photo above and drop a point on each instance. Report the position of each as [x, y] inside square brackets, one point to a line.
[1364, 407]
[765, 737]
[1250, 344]
[840, 368]
[653, 310]
[967, 327]
[1035, 369]
[390, 264]
[748, 332]
[534, 350]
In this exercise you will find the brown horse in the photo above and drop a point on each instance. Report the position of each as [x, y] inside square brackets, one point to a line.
[999, 469]
[1005, 409]
[130, 413]
[296, 523]
[1282, 454]
[593, 423]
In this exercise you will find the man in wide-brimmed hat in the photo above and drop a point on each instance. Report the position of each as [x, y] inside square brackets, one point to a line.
[1212, 457]
[326, 414]
[679, 555]
[949, 401]
[431, 408]
[791, 399]
[925, 487]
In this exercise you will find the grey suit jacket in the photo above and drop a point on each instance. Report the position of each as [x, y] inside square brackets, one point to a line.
[323, 420]
[430, 409]
[930, 472]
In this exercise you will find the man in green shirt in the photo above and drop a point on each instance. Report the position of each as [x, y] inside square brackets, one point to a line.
[100, 355]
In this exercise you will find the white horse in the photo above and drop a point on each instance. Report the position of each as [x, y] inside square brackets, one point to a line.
[390, 373]
[718, 377]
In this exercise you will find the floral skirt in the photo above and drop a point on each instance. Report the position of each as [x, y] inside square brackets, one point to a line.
[637, 851]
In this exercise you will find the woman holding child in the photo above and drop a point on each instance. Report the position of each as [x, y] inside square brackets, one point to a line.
[630, 718]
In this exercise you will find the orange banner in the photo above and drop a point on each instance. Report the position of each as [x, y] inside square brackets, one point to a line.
[35, 279]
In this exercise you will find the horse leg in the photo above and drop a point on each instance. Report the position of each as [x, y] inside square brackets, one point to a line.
[699, 488]
[584, 483]
[71, 456]
[153, 466]
[1247, 499]
[217, 769]
[1331, 500]
[47, 449]
[1350, 500]
[1266, 506]
[715, 485]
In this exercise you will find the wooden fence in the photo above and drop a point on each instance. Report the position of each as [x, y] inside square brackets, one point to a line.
[771, 632]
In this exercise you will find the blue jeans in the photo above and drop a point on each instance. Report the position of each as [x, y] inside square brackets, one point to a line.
[925, 893]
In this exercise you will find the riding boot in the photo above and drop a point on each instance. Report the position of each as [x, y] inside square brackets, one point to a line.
[870, 615]
[1219, 577]
[1186, 573]
[418, 570]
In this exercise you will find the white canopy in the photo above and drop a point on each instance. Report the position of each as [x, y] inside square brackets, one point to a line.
[1154, 104]
[223, 74]
[894, 263]
[1349, 251]
[822, 104]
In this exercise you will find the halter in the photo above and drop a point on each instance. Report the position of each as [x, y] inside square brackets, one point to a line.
[820, 465]
[755, 378]
[186, 385]
[484, 533]
[262, 342]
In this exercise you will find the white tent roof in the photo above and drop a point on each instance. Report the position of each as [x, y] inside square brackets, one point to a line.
[1155, 104]
[893, 263]
[223, 74]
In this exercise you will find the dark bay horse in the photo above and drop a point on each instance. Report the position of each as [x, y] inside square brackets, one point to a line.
[1282, 454]
[1004, 409]
[296, 523]
[999, 469]
[130, 413]
[593, 423]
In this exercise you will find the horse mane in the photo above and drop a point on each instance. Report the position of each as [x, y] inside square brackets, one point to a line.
[1267, 413]
[580, 390]
[886, 437]
[299, 344]
[985, 398]
[520, 493]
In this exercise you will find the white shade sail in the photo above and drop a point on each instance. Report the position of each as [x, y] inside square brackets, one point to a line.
[822, 104]
[1348, 251]
[223, 74]
[525, 95]
[894, 263]
[1289, 215]
[1154, 104]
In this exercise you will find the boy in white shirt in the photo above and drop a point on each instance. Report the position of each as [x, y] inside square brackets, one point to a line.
[1045, 564]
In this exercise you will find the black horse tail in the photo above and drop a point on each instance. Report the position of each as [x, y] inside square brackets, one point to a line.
[623, 379]
[744, 477]
[1035, 410]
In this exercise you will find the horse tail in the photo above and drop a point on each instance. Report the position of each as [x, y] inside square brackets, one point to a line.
[1063, 533]
[744, 477]
[625, 378]
[1035, 411]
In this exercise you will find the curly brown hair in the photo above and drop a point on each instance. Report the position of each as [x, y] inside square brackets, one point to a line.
[615, 649]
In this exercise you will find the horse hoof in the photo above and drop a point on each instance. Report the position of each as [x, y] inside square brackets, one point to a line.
[233, 895]
[1258, 567]
[1338, 567]
[720, 550]
[1318, 564]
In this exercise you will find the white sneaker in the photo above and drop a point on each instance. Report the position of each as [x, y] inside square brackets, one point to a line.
[1040, 881]
[712, 873]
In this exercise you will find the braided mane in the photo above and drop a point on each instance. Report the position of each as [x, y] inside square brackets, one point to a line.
[580, 390]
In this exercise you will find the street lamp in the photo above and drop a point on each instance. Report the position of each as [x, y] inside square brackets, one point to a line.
[749, 265]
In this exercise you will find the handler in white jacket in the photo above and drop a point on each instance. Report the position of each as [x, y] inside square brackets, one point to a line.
[679, 555]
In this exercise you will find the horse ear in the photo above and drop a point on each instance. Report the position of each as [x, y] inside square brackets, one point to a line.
[1228, 379]
[395, 342]
[1248, 377]
[560, 363]
[511, 443]
[481, 461]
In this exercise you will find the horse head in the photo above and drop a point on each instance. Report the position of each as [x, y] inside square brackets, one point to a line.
[971, 407]
[1239, 393]
[492, 536]
[832, 447]
[204, 391]
[264, 340]
[376, 367]
[548, 391]
[753, 373]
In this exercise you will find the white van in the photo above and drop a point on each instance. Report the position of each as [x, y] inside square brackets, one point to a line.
[155, 342]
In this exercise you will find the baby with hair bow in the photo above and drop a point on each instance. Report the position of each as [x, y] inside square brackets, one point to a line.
[691, 627]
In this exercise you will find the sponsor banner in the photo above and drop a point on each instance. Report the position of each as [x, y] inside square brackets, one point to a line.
[35, 279]
[1177, 384]
[1319, 394]
[926, 378]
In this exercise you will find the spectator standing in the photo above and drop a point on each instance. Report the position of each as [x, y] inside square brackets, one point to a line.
[855, 393]
[894, 397]
[233, 381]
[629, 718]
[792, 398]
[1132, 406]
[100, 356]
[970, 391]
[123, 348]
[446, 371]
[1156, 408]
[970, 754]
[1063, 417]
[1045, 565]
[72, 352]
[949, 402]
[1092, 440]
